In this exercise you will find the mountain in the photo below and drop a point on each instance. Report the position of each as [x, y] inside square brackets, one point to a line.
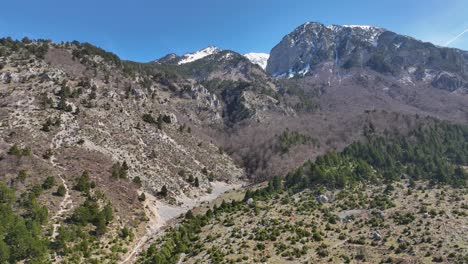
[169, 58]
[242, 88]
[190, 57]
[173, 58]
[260, 59]
[314, 46]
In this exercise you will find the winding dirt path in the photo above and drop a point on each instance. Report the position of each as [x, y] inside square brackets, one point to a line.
[65, 206]
[153, 226]
[67, 203]
[160, 213]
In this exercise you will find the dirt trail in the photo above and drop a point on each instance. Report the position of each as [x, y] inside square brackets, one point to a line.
[154, 224]
[67, 203]
[65, 206]
[160, 213]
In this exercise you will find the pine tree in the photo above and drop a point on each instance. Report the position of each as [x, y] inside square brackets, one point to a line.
[142, 197]
[61, 191]
[189, 215]
[163, 191]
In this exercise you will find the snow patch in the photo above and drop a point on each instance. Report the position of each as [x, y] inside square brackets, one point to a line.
[398, 45]
[365, 27]
[191, 57]
[260, 59]
[373, 32]
[412, 69]
[292, 73]
[305, 70]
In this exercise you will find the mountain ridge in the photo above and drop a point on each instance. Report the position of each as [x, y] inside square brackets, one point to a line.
[378, 49]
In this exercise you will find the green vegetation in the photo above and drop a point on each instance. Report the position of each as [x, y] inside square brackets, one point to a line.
[22, 175]
[84, 51]
[162, 118]
[89, 213]
[433, 153]
[48, 183]
[120, 171]
[80, 235]
[19, 152]
[84, 184]
[377, 62]
[148, 118]
[61, 191]
[163, 192]
[46, 127]
[21, 233]
[185, 239]
[289, 139]
[305, 98]
[438, 150]
[142, 197]
[37, 48]
[136, 180]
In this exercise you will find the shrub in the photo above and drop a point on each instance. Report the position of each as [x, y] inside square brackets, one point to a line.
[48, 183]
[142, 197]
[61, 191]
[163, 191]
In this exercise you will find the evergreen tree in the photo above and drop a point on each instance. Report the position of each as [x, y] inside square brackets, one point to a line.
[61, 191]
[163, 191]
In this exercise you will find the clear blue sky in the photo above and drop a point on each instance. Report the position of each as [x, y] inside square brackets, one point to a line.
[143, 30]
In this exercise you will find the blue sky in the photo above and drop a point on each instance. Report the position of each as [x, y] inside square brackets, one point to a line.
[143, 30]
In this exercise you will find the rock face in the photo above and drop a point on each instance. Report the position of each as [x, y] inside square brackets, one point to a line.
[109, 121]
[313, 45]
[243, 88]
[322, 199]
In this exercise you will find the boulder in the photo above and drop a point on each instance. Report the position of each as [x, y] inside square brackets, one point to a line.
[322, 199]
[5, 77]
[376, 236]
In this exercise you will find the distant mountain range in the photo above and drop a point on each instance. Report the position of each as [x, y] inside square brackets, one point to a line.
[313, 45]
[172, 58]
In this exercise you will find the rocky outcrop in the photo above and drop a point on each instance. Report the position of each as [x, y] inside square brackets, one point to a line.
[448, 81]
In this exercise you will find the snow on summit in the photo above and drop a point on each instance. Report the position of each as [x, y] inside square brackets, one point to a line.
[258, 58]
[190, 57]
[365, 27]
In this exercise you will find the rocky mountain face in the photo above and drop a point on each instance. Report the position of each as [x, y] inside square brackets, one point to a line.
[313, 46]
[243, 89]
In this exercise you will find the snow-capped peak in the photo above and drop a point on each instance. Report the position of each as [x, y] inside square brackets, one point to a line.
[190, 57]
[365, 27]
[260, 59]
